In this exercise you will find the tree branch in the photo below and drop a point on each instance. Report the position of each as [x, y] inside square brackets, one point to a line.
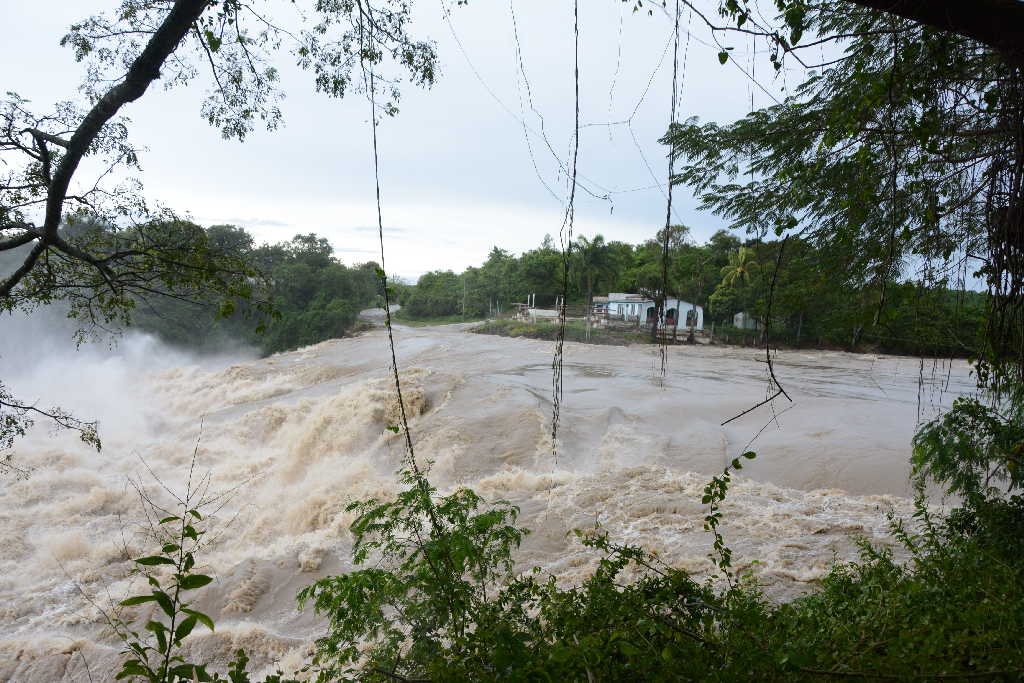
[40, 135]
[14, 242]
[7, 285]
[996, 23]
[144, 70]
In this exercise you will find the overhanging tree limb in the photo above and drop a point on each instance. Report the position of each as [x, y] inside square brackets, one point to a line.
[996, 23]
[144, 70]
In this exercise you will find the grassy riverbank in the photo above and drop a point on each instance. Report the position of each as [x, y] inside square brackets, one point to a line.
[574, 331]
[401, 317]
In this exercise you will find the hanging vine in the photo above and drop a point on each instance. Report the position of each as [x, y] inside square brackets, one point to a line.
[565, 237]
[660, 304]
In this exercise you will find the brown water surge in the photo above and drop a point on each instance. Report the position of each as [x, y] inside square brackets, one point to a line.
[306, 432]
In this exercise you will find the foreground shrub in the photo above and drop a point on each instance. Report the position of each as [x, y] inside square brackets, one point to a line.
[973, 448]
[436, 598]
[442, 603]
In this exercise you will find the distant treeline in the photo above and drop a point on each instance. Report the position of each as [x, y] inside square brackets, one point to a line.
[820, 299]
[312, 295]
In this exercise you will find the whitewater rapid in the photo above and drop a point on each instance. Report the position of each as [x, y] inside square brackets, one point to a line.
[295, 437]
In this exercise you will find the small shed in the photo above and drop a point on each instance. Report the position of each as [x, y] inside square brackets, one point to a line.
[745, 321]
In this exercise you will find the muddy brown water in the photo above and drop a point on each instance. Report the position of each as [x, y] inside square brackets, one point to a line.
[304, 433]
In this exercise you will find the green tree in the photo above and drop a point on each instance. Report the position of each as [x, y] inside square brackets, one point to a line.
[437, 293]
[143, 252]
[901, 153]
[741, 268]
[594, 264]
[540, 271]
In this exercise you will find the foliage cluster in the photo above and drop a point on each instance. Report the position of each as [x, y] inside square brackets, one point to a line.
[975, 449]
[313, 297]
[438, 600]
[817, 300]
[156, 659]
[897, 159]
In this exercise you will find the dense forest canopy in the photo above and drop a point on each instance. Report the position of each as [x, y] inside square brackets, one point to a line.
[814, 304]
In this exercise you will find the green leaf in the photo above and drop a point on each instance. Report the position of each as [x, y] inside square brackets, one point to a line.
[165, 602]
[153, 560]
[155, 626]
[723, 57]
[137, 600]
[170, 548]
[203, 619]
[165, 520]
[213, 41]
[195, 672]
[132, 668]
[184, 628]
[160, 630]
[194, 581]
[750, 455]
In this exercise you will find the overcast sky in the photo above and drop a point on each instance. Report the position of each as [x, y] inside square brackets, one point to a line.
[456, 169]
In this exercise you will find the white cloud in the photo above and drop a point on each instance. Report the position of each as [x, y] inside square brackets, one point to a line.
[457, 174]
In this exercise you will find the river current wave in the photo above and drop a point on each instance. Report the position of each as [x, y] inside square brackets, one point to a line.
[292, 439]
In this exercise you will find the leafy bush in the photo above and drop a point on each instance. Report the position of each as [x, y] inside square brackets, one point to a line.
[153, 653]
[442, 603]
[972, 447]
[438, 563]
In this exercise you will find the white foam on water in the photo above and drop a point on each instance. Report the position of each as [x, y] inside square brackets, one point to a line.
[303, 434]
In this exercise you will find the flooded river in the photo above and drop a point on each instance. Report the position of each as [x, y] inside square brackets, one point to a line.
[297, 436]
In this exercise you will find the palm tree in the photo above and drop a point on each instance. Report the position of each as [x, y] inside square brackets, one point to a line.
[595, 262]
[741, 267]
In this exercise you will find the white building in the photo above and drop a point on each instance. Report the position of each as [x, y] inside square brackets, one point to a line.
[637, 308]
